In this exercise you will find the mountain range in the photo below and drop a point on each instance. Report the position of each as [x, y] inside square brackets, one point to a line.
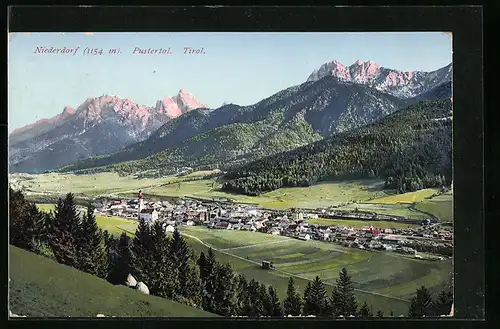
[334, 99]
[100, 125]
[397, 83]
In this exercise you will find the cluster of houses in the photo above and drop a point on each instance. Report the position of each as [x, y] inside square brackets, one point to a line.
[216, 215]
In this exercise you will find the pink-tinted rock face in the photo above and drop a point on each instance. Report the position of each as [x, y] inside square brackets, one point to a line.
[397, 83]
[93, 109]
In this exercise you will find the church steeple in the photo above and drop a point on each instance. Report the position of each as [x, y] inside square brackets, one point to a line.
[141, 205]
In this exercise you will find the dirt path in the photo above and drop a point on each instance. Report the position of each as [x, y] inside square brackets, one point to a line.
[284, 272]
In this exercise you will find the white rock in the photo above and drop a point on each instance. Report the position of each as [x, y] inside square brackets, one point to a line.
[131, 281]
[142, 288]
[100, 316]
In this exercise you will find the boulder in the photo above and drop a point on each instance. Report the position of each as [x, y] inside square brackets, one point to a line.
[142, 288]
[131, 281]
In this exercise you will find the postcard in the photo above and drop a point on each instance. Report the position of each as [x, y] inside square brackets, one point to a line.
[249, 174]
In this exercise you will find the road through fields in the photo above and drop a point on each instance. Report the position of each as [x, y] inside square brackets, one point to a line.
[224, 251]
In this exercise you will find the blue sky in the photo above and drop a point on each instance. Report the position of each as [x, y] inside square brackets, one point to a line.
[240, 68]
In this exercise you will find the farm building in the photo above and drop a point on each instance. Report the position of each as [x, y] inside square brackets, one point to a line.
[267, 265]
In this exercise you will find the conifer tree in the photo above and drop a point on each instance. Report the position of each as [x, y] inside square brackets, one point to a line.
[224, 292]
[143, 252]
[242, 298]
[380, 314]
[343, 300]
[442, 304]
[391, 314]
[208, 280]
[276, 309]
[183, 262]
[308, 307]
[292, 304]
[63, 240]
[91, 248]
[121, 266]
[163, 277]
[26, 221]
[365, 311]
[421, 303]
[202, 263]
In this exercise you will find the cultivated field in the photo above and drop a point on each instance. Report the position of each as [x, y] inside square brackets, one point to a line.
[385, 280]
[361, 223]
[43, 288]
[320, 195]
[440, 206]
[407, 198]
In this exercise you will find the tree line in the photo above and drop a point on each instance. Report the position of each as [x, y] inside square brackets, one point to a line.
[410, 149]
[172, 270]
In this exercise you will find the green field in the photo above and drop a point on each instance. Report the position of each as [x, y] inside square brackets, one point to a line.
[43, 288]
[407, 198]
[367, 195]
[393, 276]
[402, 210]
[440, 206]
[385, 280]
[114, 225]
[360, 223]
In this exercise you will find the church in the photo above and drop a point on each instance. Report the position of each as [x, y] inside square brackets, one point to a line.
[149, 215]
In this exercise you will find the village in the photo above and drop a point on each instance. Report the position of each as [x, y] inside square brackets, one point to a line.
[429, 237]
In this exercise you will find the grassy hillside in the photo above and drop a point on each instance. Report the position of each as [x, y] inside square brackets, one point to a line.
[43, 288]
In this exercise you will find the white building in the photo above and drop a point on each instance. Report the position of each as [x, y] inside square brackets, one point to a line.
[148, 215]
[169, 228]
[304, 237]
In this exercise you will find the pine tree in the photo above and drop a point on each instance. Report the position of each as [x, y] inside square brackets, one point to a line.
[292, 304]
[143, 253]
[202, 263]
[91, 249]
[442, 305]
[121, 266]
[365, 311]
[276, 309]
[164, 273]
[224, 294]
[63, 240]
[391, 314]
[343, 301]
[318, 292]
[242, 297]
[421, 304]
[183, 262]
[308, 307]
[208, 280]
[380, 314]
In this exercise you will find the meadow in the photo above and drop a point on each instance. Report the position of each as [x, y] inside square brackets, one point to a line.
[367, 194]
[41, 287]
[358, 224]
[407, 198]
[385, 280]
[440, 206]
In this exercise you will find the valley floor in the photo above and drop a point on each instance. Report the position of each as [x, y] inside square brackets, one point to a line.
[385, 280]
